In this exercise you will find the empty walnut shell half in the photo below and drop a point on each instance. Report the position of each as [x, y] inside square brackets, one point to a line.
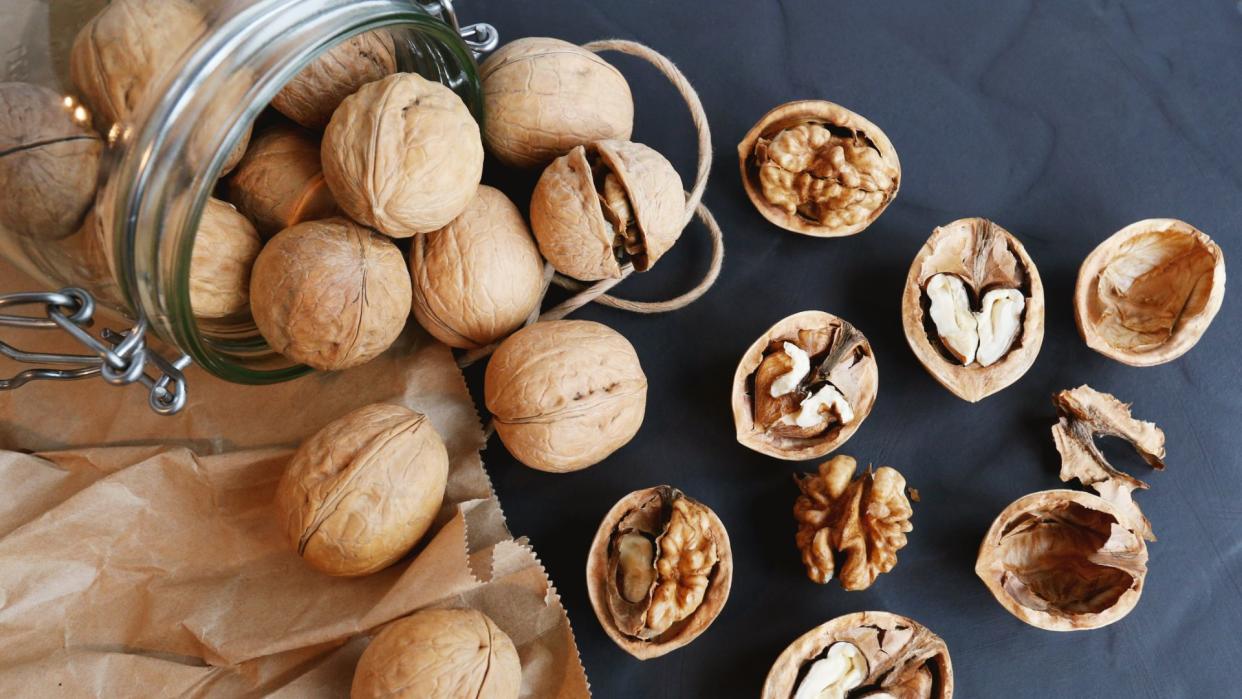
[816, 168]
[1147, 294]
[803, 388]
[973, 308]
[1063, 560]
[659, 571]
[860, 655]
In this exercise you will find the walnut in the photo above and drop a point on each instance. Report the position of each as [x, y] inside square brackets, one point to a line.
[361, 492]
[606, 204]
[816, 168]
[966, 265]
[1147, 294]
[866, 654]
[477, 279]
[565, 394]
[439, 654]
[49, 162]
[804, 387]
[280, 182]
[315, 93]
[1063, 560]
[225, 249]
[659, 571]
[403, 155]
[330, 294]
[863, 520]
[544, 96]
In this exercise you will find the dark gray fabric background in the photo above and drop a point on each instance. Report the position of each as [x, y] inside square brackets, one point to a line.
[1063, 122]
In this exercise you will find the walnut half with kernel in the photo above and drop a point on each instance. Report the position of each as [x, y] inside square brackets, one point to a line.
[659, 571]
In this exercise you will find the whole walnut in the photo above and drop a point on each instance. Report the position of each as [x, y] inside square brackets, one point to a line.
[280, 182]
[315, 93]
[544, 96]
[439, 654]
[565, 394]
[477, 279]
[403, 155]
[361, 492]
[225, 249]
[331, 294]
[49, 162]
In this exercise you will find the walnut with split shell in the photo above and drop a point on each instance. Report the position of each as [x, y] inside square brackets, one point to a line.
[280, 182]
[439, 654]
[803, 388]
[1147, 294]
[862, 520]
[973, 308]
[606, 204]
[313, 95]
[545, 96]
[225, 248]
[659, 571]
[816, 168]
[866, 655]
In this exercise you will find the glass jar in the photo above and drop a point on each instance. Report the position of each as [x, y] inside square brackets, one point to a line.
[161, 164]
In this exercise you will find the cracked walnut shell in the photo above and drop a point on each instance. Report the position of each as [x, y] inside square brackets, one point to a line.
[225, 248]
[816, 168]
[280, 182]
[439, 654]
[659, 571]
[973, 308]
[863, 655]
[803, 388]
[1147, 294]
[565, 394]
[361, 492]
[313, 95]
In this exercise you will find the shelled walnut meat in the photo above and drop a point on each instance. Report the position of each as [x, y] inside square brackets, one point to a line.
[565, 394]
[225, 249]
[816, 168]
[861, 520]
[439, 654]
[545, 96]
[1147, 294]
[313, 95]
[361, 492]
[973, 308]
[804, 387]
[49, 162]
[607, 204]
[659, 571]
[866, 655]
[280, 183]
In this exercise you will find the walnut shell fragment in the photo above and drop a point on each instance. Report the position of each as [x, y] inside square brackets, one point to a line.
[816, 168]
[604, 205]
[862, 520]
[865, 654]
[1148, 293]
[973, 308]
[280, 183]
[225, 248]
[659, 571]
[804, 387]
[313, 95]
[1063, 560]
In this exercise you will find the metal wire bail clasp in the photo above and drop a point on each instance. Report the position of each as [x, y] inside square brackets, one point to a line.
[481, 37]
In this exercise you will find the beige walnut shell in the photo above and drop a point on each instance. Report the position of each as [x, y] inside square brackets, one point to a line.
[49, 162]
[403, 155]
[280, 182]
[361, 492]
[894, 647]
[313, 95]
[330, 294]
[844, 359]
[1148, 293]
[588, 224]
[1063, 560]
[545, 96]
[477, 279]
[984, 256]
[225, 249]
[439, 654]
[816, 168]
[694, 601]
[565, 394]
